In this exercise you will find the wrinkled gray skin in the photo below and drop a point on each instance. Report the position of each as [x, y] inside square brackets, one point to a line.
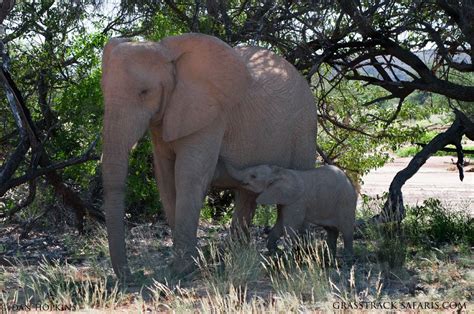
[201, 100]
[323, 196]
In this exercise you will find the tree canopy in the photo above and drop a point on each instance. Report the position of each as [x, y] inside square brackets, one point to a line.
[375, 67]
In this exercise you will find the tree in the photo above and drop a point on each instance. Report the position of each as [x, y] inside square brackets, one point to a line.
[54, 95]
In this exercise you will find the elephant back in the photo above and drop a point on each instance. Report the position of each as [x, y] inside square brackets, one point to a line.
[276, 119]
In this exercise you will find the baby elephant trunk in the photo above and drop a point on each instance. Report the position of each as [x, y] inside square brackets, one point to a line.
[234, 172]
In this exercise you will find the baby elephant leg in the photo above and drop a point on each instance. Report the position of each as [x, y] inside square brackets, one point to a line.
[293, 220]
[348, 236]
[333, 233]
[290, 219]
[276, 231]
[273, 237]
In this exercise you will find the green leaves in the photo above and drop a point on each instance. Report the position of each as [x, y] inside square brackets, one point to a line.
[164, 26]
[359, 134]
[142, 199]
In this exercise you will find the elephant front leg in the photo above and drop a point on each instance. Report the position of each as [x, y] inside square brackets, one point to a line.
[196, 160]
[165, 177]
[276, 232]
[244, 211]
[164, 160]
[192, 182]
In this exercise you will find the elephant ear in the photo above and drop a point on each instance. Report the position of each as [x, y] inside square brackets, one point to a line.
[284, 188]
[210, 77]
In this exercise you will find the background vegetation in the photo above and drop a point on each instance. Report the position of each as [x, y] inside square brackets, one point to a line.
[368, 104]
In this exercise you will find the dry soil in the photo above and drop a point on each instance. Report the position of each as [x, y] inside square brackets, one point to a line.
[438, 178]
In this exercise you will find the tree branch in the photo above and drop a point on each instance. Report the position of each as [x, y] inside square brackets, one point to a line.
[25, 124]
[394, 209]
[35, 173]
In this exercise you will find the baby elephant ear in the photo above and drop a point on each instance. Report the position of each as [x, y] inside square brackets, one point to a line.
[284, 189]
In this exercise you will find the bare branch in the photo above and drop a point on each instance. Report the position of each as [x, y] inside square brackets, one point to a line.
[29, 199]
[323, 155]
[35, 173]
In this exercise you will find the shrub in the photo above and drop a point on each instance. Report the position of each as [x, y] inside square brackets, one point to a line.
[143, 199]
[432, 223]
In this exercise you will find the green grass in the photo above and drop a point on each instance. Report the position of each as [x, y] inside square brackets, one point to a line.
[408, 151]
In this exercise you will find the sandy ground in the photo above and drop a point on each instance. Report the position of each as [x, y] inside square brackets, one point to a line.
[438, 178]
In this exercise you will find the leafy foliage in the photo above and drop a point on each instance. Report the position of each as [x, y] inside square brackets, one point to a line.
[433, 224]
[60, 80]
[360, 139]
[142, 197]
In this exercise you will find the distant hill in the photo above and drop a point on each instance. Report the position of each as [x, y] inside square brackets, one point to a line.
[427, 56]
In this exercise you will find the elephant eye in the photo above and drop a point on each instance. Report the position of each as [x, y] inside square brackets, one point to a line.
[252, 176]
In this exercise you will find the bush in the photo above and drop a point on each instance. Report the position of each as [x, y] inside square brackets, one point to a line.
[388, 242]
[143, 199]
[265, 215]
[432, 223]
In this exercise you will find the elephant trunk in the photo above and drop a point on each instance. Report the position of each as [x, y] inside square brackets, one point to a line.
[121, 131]
[114, 170]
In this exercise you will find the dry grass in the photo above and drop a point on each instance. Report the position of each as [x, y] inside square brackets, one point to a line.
[239, 277]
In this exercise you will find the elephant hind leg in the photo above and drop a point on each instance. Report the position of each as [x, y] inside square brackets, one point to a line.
[333, 234]
[245, 205]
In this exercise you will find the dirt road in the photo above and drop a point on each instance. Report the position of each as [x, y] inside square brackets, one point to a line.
[438, 178]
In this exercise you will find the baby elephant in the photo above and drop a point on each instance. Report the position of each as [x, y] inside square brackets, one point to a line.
[322, 196]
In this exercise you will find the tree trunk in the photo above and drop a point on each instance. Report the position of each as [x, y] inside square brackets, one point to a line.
[394, 209]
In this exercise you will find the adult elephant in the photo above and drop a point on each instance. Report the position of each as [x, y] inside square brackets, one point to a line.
[201, 100]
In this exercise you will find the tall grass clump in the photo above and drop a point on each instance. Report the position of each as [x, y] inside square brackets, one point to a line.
[237, 300]
[166, 299]
[92, 246]
[301, 271]
[234, 300]
[234, 263]
[63, 284]
[306, 273]
[389, 244]
[386, 240]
